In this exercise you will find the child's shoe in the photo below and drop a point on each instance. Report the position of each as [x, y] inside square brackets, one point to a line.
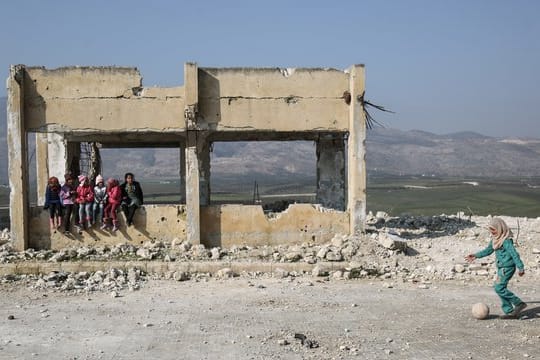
[115, 228]
[518, 309]
[104, 227]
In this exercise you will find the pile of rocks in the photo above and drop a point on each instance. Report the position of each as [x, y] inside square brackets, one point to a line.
[417, 249]
[113, 280]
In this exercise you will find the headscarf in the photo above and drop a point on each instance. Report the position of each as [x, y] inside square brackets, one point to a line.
[502, 232]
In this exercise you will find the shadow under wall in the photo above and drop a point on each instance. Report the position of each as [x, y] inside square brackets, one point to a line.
[211, 217]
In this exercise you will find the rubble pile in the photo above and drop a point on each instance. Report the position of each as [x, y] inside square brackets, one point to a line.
[113, 280]
[416, 249]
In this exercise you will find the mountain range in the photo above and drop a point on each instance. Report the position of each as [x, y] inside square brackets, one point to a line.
[389, 152]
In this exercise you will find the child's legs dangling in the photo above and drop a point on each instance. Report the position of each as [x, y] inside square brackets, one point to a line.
[114, 217]
[82, 208]
[88, 210]
[508, 299]
[59, 215]
[67, 218]
[51, 216]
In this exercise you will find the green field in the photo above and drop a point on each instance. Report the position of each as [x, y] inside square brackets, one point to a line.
[511, 197]
[394, 195]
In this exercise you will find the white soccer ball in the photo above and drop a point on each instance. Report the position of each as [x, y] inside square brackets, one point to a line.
[480, 311]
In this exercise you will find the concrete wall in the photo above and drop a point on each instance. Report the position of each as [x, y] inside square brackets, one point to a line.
[107, 99]
[227, 225]
[279, 100]
[152, 222]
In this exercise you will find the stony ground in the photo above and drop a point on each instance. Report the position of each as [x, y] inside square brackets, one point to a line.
[402, 290]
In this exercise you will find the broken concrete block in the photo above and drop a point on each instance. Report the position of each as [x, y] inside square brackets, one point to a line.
[392, 242]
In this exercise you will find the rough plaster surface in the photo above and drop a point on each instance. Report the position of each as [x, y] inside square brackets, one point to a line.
[151, 222]
[228, 225]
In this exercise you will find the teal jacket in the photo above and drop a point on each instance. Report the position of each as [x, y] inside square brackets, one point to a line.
[507, 256]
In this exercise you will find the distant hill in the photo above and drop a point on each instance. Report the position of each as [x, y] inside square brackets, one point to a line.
[465, 154]
[389, 151]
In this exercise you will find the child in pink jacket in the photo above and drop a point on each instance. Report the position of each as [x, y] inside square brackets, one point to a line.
[114, 198]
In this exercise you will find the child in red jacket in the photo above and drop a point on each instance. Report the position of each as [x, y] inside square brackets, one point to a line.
[85, 199]
[114, 198]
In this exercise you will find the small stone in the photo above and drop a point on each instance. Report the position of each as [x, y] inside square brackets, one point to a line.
[11, 317]
[114, 294]
[283, 342]
[215, 253]
[148, 325]
[225, 273]
[144, 253]
[319, 271]
[180, 276]
[281, 273]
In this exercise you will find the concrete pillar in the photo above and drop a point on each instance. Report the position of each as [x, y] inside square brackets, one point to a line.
[192, 190]
[356, 162]
[331, 172]
[182, 173]
[58, 155]
[51, 155]
[203, 151]
[193, 212]
[42, 168]
[17, 158]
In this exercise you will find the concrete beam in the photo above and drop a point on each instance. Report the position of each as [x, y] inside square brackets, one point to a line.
[247, 99]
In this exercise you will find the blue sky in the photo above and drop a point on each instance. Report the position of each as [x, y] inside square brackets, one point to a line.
[442, 66]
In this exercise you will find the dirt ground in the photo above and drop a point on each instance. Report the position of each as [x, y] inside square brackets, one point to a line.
[258, 318]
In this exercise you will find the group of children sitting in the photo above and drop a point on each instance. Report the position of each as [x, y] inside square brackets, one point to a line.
[89, 204]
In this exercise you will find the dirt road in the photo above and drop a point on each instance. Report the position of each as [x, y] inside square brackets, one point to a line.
[257, 318]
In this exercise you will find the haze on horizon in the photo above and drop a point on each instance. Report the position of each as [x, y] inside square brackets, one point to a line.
[443, 67]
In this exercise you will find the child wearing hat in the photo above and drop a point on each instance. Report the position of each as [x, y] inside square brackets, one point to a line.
[100, 199]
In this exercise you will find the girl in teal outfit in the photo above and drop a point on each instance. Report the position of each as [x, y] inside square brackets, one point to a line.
[507, 261]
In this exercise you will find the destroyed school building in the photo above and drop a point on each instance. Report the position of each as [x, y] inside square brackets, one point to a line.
[66, 107]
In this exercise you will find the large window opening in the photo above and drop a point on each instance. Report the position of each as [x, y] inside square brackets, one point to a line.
[273, 174]
[157, 169]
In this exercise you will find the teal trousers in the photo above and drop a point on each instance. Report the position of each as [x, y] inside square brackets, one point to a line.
[508, 299]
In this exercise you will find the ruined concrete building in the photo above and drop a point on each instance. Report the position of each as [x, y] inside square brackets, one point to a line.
[72, 105]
